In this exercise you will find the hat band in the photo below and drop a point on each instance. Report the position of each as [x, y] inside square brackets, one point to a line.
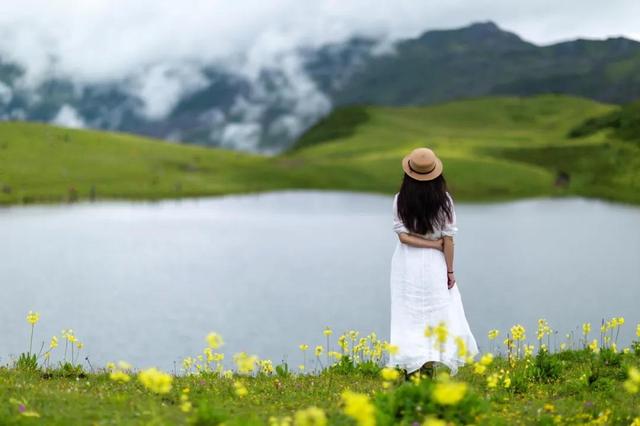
[421, 173]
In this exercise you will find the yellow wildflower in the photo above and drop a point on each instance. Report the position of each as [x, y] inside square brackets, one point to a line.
[214, 340]
[549, 408]
[389, 374]
[432, 421]
[54, 342]
[303, 347]
[186, 406]
[492, 380]
[486, 359]
[479, 368]
[327, 331]
[635, 422]
[518, 332]
[245, 363]
[119, 376]
[441, 332]
[240, 389]
[312, 416]
[462, 346]
[594, 346]
[493, 334]
[319, 350]
[155, 380]
[124, 365]
[638, 330]
[359, 407]
[33, 317]
[449, 393]
[301, 367]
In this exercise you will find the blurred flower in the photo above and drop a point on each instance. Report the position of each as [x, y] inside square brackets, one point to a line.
[244, 362]
[449, 393]
[359, 407]
[327, 331]
[318, 350]
[389, 374]
[155, 380]
[53, 343]
[312, 416]
[303, 347]
[518, 332]
[240, 389]
[214, 340]
[432, 421]
[493, 334]
[119, 376]
[33, 317]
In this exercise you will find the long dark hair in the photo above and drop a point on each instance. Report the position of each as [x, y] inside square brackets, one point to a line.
[423, 206]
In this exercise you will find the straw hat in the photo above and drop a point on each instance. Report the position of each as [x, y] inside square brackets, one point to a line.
[422, 164]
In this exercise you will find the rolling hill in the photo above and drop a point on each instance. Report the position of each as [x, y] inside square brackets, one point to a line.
[493, 149]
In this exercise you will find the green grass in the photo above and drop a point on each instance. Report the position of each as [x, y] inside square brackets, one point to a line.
[579, 385]
[492, 148]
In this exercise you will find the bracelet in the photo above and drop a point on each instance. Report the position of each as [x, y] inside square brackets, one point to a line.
[449, 272]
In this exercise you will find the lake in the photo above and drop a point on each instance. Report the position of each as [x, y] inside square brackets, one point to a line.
[145, 282]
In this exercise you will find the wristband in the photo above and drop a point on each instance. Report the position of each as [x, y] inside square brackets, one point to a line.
[449, 272]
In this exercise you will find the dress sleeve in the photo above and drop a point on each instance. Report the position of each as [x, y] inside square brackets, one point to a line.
[398, 226]
[451, 227]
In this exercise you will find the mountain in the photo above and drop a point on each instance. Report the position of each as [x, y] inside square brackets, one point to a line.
[267, 110]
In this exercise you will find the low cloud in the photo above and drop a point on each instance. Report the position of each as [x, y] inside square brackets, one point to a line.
[67, 116]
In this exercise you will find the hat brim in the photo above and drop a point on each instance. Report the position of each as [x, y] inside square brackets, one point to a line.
[422, 176]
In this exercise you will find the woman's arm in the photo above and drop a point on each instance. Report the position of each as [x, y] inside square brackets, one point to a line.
[415, 241]
[448, 258]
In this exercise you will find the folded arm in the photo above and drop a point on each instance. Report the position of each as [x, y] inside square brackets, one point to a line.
[415, 241]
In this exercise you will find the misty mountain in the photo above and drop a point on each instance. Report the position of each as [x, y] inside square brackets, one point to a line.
[265, 109]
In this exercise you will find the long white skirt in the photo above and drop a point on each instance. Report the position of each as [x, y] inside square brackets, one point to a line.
[420, 298]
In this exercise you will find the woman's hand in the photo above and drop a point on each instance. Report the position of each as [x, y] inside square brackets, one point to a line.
[439, 244]
[451, 280]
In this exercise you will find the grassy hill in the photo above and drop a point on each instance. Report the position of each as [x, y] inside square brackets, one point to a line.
[493, 149]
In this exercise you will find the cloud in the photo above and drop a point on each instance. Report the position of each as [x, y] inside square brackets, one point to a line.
[67, 116]
[160, 47]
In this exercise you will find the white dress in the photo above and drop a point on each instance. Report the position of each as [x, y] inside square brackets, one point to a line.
[420, 298]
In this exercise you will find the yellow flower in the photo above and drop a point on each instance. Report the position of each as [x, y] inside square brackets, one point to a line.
[33, 317]
[635, 422]
[303, 347]
[479, 368]
[327, 331]
[359, 407]
[449, 393]
[518, 332]
[391, 349]
[389, 374]
[54, 342]
[493, 334]
[214, 340]
[318, 350]
[549, 408]
[245, 363]
[185, 406]
[486, 359]
[432, 421]
[638, 330]
[506, 381]
[428, 331]
[594, 346]
[119, 376]
[441, 332]
[110, 366]
[155, 380]
[301, 367]
[312, 416]
[462, 346]
[79, 344]
[240, 389]
[626, 350]
[266, 366]
[492, 380]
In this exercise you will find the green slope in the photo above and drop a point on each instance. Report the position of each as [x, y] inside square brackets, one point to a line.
[493, 148]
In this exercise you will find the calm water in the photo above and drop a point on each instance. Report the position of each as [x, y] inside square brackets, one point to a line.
[145, 282]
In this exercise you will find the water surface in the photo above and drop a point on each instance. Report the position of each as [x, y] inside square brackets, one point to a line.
[145, 282]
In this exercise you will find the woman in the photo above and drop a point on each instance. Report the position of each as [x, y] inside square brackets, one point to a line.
[423, 285]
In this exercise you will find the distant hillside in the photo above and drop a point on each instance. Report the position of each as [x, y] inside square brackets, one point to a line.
[269, 112]
[623, 122]
[482, 60]
[492, 148]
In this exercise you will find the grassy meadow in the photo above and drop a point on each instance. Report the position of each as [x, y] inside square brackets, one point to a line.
[581, 379]
[493, 149]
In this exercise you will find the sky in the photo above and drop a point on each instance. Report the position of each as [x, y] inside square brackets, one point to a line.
[159, 45]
